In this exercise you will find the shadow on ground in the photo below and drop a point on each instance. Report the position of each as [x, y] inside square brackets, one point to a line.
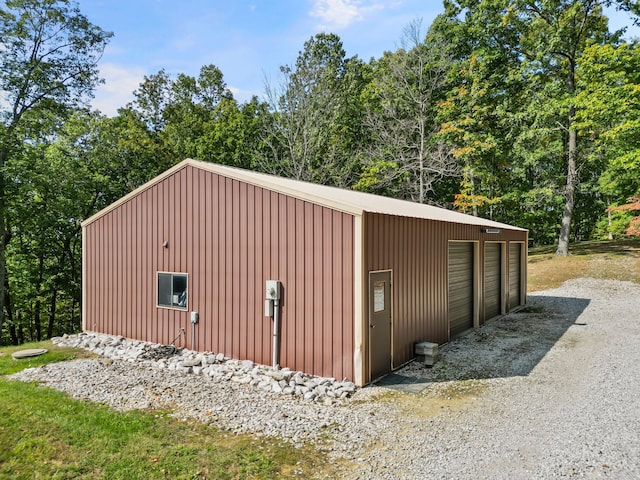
[510, 345]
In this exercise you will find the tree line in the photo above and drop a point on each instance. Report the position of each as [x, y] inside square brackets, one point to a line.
[522, 111]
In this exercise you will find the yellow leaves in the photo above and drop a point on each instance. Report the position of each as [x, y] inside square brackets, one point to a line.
[462, 152]
[449, 128]
[466, 202]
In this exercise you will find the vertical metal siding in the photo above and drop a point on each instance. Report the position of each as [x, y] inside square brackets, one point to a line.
[229, 237]
[515, 274]
[416, 250]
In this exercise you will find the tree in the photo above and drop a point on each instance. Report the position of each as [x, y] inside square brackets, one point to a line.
[608, 114]
[554, 36]
[404, 156]
[479, 115]
[542, 43]
[48, 63]
[196, 118]
[315, 125]
[633, 205]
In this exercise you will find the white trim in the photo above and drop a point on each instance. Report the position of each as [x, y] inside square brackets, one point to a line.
[358, 299]
[348, 201]
[84, 281]
[171, 307]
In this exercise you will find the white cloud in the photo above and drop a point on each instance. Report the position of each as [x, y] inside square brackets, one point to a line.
[339, 14]
[117, 91]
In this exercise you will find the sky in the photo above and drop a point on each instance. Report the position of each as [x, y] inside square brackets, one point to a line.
[248, 40]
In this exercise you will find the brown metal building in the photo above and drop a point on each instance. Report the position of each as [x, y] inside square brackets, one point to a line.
[364, 277]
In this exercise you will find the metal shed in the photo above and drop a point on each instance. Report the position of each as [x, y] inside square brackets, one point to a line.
[363, 277]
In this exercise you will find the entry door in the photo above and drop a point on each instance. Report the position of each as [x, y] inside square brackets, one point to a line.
[380, 323]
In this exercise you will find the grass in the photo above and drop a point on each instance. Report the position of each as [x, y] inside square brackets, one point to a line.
[613, 260]
[54, 354]
[46, 434]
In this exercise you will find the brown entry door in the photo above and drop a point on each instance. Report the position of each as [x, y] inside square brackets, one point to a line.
[380, 323]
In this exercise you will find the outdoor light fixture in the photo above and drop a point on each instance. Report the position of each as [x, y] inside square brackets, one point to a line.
[490, 230]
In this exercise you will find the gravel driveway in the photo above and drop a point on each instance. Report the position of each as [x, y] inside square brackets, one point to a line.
[552, 391]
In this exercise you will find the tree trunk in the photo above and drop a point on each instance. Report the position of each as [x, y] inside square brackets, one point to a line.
[3, 237]
[570, 190]
[9, 309]
[38, 307]
[52, 312]
[37, 325]
[609, 221]
[5, 232]
[20, 333]
[572, 172]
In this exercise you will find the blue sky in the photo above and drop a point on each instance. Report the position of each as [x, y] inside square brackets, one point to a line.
[247, 39]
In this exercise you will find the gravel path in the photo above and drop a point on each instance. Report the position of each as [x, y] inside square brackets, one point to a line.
[552, 391]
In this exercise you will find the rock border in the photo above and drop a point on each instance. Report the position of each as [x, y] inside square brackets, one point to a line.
[282, 381]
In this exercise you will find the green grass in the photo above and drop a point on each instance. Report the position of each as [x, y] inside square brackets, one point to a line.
[45, 434]
[54, 354]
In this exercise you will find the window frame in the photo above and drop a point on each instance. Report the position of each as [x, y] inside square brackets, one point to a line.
[172, 275]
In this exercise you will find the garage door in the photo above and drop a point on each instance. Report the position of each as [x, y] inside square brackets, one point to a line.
[515, 269]
[492, 280]
[460, 287]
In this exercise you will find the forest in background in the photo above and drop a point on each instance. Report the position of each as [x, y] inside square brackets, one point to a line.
[521, 111]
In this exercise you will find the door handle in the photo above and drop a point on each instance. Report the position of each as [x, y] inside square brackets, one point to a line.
[372, 326]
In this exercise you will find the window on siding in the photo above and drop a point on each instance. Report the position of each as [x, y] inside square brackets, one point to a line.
[172, 290]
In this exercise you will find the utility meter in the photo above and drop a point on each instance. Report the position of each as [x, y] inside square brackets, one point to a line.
[194, 317]
[273, 290]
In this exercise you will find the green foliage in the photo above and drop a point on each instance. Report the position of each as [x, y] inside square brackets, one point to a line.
[315, 127]
[76, 439]
[613, 227]
[45, 434]
[54, 354]
[48, 66]
[609, 114]
[521, 111]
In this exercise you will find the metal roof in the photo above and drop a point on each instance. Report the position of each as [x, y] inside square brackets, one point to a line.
[349, 201]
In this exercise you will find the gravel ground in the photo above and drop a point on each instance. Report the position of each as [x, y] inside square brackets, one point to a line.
[551, 391]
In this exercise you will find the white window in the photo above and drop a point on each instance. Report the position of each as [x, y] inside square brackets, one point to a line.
[172, 290]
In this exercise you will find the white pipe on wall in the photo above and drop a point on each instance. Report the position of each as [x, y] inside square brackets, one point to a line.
[276, 326]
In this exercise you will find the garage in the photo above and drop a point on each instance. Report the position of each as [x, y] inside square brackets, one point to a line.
[492, 280]
[187, 259]
[461, 287]
[515, 269]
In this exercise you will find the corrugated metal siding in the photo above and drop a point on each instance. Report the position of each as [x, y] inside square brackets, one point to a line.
[515, 272]
[229, 237]
[416, 251]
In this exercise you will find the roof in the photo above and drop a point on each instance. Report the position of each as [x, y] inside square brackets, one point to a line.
[349, 201]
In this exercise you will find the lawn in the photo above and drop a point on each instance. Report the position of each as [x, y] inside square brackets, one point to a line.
[46, 434]
[614, 260]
